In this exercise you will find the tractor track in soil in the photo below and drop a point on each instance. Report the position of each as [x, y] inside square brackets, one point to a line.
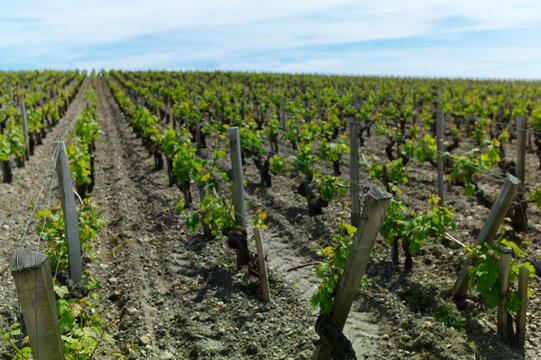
[158, 280]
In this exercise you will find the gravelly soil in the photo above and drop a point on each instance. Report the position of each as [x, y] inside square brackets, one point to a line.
[183, 291]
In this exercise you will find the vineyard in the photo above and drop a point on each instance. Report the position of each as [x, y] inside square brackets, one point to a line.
[177, 175]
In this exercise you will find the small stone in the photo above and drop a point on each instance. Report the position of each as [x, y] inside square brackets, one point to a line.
[131, 310]
[148, 347]
[145, 339]
[265, 328]
[428, 325]
[165, 355]
[113, 280]
[221, 331]
[5, 227]
[385, 337]
[115, 295]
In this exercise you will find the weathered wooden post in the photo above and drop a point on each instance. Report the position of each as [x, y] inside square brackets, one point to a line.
[490, 228]
[505, 260]
[243, 255]
[283, 115]
[31, 271]
[263, 275]
[439, 137]
[25, 131]
[521, 148]
[69, 209]
[523, 275]
[354, 171]
[374, 208]
[238, 185]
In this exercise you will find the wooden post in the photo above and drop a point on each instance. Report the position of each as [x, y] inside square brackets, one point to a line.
[374, 208]
[521, 147]
[263, 275]
[505, 260]
[523, 275]
[25, 131]
[439, 135]
[238, 185]
[283, 116]
[31, 272]
[354, 171]
[488, 231]
[69, 208]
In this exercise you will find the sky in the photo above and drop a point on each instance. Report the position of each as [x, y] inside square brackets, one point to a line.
[427, 38]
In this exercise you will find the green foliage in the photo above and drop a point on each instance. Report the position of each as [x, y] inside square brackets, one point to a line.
[423, 150]
[484, 273]
[216, 211]
[393, 227]
[446, 316]
[170, 143]
[332, 151]
[250, 141]
[334, 261]
[83, 333]
[15, 137]
[278, 164]
[54, 232]
[304, 160]
[401, 223]
[433, 221]
[330, 186]
[259, 220]
[372, 167]
[535, 194]
[185, 164]
[8, 336]
[465, 167]
[79, 162]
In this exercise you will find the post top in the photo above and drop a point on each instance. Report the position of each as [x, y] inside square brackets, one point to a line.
[506, 250]
[23, 259]
[379, 194]
[512, 179]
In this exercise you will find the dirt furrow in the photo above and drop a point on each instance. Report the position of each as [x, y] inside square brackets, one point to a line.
[129, 252]
[178, 289]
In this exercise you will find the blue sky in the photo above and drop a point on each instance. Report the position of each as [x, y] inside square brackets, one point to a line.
[474, 38]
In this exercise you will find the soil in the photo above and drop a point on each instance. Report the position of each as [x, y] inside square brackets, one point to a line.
[178, 295]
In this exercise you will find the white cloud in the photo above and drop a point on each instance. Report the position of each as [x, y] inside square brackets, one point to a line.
[167, 33]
